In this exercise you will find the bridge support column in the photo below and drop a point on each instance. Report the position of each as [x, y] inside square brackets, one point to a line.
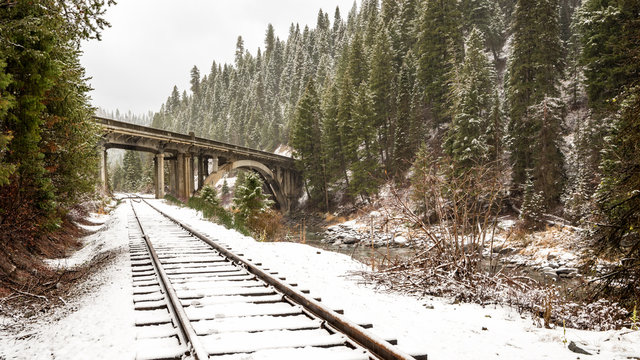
[201, 170]
[171, 164]
[180, 176]
[190, 175]
[214, 165]
[159, 167]
[104, 181]
[185, 178]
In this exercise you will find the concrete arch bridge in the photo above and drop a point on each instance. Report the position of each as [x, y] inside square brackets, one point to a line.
[193, 162]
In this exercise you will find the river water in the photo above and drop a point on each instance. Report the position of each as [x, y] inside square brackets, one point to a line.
[389, 255]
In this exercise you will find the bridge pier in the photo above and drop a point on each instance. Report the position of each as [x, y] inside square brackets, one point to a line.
[104, 179]
[180, 175]
[173, 189]
[202, 165]
[190, 176]
[159, 172]
[214, 165]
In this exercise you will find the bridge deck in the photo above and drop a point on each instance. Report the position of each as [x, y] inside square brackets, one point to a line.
[170, 137]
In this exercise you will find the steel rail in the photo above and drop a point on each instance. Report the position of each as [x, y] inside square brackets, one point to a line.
[196, 348]
[374, 344]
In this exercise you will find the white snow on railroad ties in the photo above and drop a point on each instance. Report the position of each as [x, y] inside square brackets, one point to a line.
[98, 322]
[434, 326]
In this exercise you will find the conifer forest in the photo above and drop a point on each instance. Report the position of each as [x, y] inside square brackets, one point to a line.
[521, 107]
[545, 92]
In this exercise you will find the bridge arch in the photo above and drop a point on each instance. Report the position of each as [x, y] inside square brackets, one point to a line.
[266, 173]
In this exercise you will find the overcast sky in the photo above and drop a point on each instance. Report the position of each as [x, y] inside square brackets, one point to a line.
[153, 44]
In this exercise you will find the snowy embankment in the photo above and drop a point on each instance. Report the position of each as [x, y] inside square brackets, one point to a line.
[433, 325]
[98, 322]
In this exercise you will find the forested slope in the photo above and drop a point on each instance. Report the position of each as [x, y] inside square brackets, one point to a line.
[48, 154]
[544, 91]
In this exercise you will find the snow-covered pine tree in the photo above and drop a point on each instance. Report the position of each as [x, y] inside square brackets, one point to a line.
[382, 87]
[306, 131]
[533, 208]
[473, 99]
[545, 120]
[439, 46]
[535, 69]
[249, 201]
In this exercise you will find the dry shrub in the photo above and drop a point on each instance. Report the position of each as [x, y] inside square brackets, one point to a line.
[331, 219]
[267, 226]
[425, 275]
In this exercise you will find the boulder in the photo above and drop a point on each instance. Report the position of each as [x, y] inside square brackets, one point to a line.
[350, 239]
[401, 240]
[578, 350]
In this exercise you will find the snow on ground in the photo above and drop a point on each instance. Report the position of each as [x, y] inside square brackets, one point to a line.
[284, 150]
[97, 243]
[433, 325]
[96, 325]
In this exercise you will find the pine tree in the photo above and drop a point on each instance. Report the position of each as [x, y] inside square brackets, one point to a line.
[610, 31]
[534, 70]
[381, 82]
[305, 135]
[545, 120]
[365, 170]
[532, 206]
[47, 140]
[473, 100]
[409, 130]
[195, 81]
[132, 166]
[225, 187]
[439, 46]
[618, 196]
[239, 56]
[209, 195]
[485, 16]
[609, 34]
[249, 201]
[6, 102]
[269, 42]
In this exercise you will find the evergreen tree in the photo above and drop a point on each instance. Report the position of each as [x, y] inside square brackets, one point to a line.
[269, 42]
[195, 81]
[409, 127]
[545, 120]
[381, 81]
[306, 132]
[365, 169]
[249, 201]
[473, 99]
[439, 46]
[210, 196]
[6, 102]
[609, 34]
[532, 206]
[535, 67]
[618, 196]
[133, 171]
[47, 140]
[225, 187]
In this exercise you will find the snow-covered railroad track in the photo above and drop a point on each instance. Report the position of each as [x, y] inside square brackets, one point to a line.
[196, 299]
